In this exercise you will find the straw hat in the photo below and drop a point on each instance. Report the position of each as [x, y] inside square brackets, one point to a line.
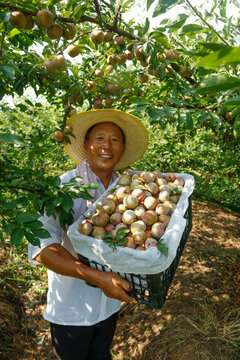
[136, 135]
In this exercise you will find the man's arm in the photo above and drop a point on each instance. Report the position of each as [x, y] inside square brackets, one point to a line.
[56, 258]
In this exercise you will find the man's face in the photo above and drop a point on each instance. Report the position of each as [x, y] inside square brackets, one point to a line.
[104, 147]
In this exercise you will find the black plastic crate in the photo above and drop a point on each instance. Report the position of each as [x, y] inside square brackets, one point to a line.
[152, 290]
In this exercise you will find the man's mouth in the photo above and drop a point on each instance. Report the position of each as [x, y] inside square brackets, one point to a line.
[105, 156]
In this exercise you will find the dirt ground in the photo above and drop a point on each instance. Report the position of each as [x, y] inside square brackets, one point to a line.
[200, 319]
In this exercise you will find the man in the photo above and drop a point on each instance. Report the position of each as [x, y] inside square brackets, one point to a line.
[83, 318]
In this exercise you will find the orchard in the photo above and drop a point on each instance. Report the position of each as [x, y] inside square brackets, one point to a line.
[180, 77]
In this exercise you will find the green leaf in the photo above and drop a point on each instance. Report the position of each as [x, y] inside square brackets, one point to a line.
[177, 22]
[218, 83]
[162, 248]
[149, 3]
[67, 202]
[121, 233]
[11, 138]
[191, 28]
[163, 6]
[122, 241]
[146, 25]
[32, 239]
[236, 127]
[33, 224]
[13, 33]
[16, 236]
[29, 102]
[26, 217]
[225, 56]
[235, 111]
[41, 233]
[232, 101]
[155, 115]
[189, 121]
[7, 71]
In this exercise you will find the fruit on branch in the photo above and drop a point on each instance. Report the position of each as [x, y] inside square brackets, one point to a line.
[76, 98]
[91, 85]
[108, 36]
[58, 135]
[118, 40]
[157, 73]
[150, 70]
[69, 31]
[143, 78]
[50, 66]
[185, 71]
[73, 50]
[60, 62]
[111, 88]
[144, 63]
[55, 31]
[112, 59]
[99, 73]
[72, 112]
[44, 18]
[29, 22]
[98, 104]
[110, 69]
[228, 115]
[138, 52]
[97, 36]
[18, 20]
[68, 129]
[108, 102]
[172, 55]
[129, 55]
[121, 58]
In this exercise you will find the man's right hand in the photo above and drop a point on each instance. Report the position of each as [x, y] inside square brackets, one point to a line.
[113, 286]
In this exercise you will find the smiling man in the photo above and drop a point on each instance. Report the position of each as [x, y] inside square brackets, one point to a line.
[83, 318]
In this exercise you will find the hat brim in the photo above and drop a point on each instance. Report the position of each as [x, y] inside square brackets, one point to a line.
[136, 135]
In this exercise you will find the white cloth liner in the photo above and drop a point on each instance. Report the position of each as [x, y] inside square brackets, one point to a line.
[132, 261]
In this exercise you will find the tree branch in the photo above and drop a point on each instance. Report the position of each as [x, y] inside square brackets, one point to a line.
[2, 41]
[116, 16]
[83, 18]
[97, 8]
[206, 23]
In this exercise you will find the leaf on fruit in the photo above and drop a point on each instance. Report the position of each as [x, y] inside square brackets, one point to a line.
[121, 233]
[162, 248]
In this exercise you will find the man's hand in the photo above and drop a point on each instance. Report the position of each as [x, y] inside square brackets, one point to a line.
[58, 259]
[114, 286]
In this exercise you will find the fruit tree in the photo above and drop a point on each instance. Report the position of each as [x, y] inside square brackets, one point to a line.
[84, 55]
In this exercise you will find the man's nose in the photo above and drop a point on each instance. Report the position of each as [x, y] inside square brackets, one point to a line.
[107, 144]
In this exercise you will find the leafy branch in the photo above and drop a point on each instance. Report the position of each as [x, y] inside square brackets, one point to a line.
[83, 18]
[206, 23]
